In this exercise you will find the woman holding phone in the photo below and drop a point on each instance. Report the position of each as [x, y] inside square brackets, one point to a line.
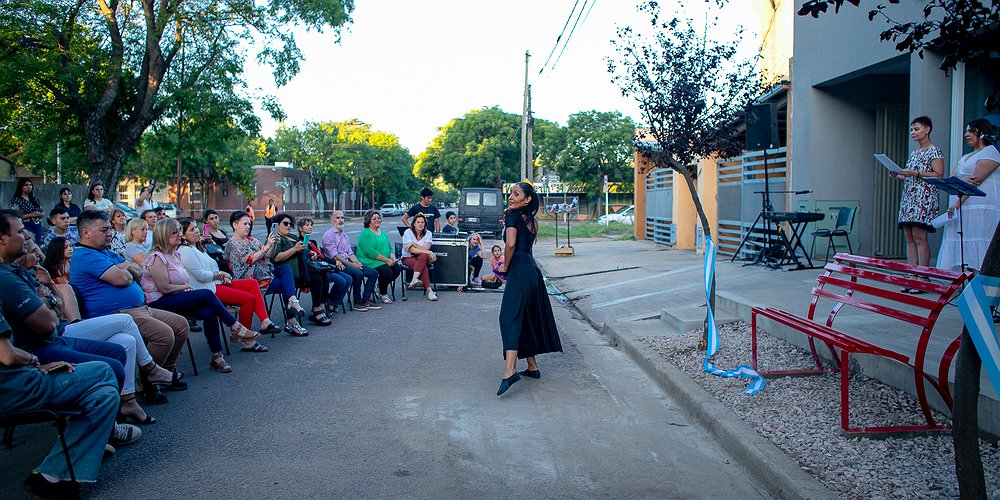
[291, 252]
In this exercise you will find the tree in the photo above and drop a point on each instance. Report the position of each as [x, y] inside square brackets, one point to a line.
[118, 67]
[691, 92]
[482, 148]
[961, 31]
[596, 144]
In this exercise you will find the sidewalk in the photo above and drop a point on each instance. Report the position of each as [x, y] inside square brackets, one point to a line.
[632, 289]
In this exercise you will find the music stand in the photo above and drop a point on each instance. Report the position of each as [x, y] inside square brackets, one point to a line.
[955, 186]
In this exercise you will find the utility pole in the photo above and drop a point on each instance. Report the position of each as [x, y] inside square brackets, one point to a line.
[525, 119]
[180, 121]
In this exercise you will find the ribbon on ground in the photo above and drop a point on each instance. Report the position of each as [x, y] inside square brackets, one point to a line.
[982, 293]
[712, 334]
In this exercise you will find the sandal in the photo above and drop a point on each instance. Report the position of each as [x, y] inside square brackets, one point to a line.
[271, 329]
[219, 364]
[254, 347]
[319, 318]
[296, 330]
[240, 332]
[127, 417]
[295, 307]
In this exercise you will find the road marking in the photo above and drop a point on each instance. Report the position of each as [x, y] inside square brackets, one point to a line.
[687, 269]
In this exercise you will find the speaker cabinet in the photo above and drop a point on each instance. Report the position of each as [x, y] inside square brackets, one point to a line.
[452, 265]
[762, 127]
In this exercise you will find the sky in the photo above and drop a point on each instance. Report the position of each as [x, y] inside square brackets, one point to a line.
[409, 68]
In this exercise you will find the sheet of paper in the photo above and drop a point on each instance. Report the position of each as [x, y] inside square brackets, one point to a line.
[940, 221]
[888, 163]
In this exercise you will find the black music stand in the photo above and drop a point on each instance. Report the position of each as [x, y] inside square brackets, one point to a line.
[958, 187]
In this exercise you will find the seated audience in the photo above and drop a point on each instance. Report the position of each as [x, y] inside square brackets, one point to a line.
[319, 263]
[495, 262]
[165, 284]
[96, 200]
[88, 388]
[59, 219]
[337, 245]
[417, 254]
[107, 283]
[204, 273]
[290, 252]
[118, 238]
[150, 217]
[57, 257]
[213, 234]
[375, 251]
[451, 223]
[136, 231]
[476, 256]
[248, 259]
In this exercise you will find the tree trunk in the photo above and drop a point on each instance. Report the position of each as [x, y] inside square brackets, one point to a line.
[706, 230]
[965, 410]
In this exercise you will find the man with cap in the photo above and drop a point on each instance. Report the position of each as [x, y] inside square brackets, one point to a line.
[430, 211]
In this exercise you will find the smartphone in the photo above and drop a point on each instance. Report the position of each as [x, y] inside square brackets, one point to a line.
[205, 230]
[274, 228]
[305, 240]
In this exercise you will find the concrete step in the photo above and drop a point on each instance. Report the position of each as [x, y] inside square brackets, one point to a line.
[683, 319]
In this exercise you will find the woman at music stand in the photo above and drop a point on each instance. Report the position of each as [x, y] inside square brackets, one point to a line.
[981, 213]
[918, 203]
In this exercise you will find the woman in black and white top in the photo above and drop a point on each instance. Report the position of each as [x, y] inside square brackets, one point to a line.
[28, 207]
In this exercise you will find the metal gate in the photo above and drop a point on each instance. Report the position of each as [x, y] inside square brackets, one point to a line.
[892, 139]
[660, 206]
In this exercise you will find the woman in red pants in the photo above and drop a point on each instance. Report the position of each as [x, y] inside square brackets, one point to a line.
[417, 254]
[203, 272]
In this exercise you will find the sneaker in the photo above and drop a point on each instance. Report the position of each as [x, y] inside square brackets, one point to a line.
[432, 296]
[360, 306]
[124, 434]
[109, 451]
[385, 299]
[477, 281]
[193, 326]
[371, 306]
[413, 284]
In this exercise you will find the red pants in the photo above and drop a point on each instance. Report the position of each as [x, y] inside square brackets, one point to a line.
[246, 295]
[419, 264]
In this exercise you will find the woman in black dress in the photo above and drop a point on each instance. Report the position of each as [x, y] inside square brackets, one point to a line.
[526, 322]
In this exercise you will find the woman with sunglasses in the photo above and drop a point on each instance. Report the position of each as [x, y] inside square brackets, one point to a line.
[290, 252]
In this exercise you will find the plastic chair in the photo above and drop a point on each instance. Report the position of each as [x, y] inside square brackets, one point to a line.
[845, 219]
[11, 420]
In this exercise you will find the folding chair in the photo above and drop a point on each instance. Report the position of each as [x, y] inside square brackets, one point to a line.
[11, 420]
[404, 280]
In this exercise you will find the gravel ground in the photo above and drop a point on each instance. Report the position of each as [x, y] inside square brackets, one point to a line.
[801, 415]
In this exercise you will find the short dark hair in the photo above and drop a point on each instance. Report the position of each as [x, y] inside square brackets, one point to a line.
[368, 217]
[923, 120]
[142, 215]
[6, 215]
[449, 214]
[236, 216]
[65, 190]
[282, 216]
[87, 218]
[208, 212]
[303, 222]
[157, 209]
[425, 192]
[57, 211]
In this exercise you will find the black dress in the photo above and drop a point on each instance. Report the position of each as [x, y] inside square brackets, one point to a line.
[526, 322]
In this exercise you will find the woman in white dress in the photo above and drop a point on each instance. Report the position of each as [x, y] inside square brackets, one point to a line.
[980, 214]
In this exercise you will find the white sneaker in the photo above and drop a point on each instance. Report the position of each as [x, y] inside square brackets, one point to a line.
[124, 434]
[385, 299]
[477, 281]
[431, 295]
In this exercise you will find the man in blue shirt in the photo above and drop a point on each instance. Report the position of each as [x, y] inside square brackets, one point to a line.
[108, 283]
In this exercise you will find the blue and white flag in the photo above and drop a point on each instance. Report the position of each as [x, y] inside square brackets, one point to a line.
[982, 293]
[712, 335]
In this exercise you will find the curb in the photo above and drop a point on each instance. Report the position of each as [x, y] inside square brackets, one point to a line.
[772, 468]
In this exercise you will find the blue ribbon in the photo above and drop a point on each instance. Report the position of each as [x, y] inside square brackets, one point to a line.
[742, 371]
[974, 303]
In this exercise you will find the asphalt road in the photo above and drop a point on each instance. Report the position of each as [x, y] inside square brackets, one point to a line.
[401, 403]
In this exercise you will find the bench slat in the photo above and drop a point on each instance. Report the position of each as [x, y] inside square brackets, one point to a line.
[872, 307]
[828, 334]
[892, 295]
[931, 272]
[891, 279]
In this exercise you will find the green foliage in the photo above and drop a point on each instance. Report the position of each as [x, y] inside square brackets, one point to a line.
[118, 68]
[349, 154]
[595, 144]
[582, 229]
[480, 149]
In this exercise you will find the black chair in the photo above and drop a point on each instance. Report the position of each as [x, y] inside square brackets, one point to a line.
[845, 219]
[11, 420]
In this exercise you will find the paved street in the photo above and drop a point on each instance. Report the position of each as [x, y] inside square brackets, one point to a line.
[401, 403]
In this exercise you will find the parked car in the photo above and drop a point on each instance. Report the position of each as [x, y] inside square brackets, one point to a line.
[391, 210]
[130, 213]
[480, 210]
[624, 215]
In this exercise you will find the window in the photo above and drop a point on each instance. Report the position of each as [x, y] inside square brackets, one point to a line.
[489, 199]
[472, 199]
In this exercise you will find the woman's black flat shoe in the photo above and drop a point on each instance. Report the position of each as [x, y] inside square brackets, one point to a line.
[270, 330]
[507, 382]
[535, 374]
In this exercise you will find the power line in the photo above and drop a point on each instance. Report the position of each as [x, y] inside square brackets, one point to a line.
[571, 31]
[555, 45]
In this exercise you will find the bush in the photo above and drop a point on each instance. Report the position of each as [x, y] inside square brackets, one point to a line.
[587, 229]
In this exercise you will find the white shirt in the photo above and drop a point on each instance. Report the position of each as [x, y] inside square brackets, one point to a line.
[200, 268]
[409, 237]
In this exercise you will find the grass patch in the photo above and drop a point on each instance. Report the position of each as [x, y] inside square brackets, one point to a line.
[585, 229]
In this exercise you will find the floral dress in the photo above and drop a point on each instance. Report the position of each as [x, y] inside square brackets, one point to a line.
[918, 203]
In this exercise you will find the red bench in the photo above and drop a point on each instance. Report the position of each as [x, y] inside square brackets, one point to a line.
[874, 285]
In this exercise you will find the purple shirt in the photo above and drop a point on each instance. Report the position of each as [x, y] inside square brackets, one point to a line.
[337, 243]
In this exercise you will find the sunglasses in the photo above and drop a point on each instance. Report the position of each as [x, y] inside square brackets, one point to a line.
[286, 223]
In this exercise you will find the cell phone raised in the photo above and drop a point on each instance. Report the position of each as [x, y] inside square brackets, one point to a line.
[305, 240]
[206, 229]
[274, 228]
